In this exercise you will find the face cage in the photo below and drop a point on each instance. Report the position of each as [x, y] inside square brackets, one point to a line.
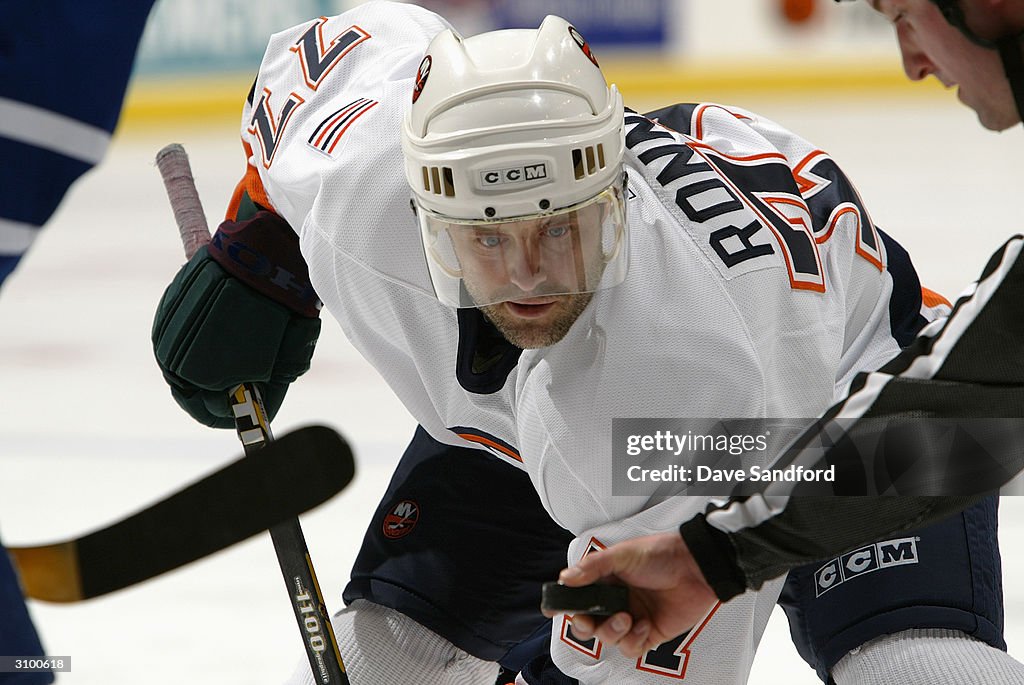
[578, 249]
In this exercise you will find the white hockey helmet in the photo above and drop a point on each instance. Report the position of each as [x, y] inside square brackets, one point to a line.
[510, 132]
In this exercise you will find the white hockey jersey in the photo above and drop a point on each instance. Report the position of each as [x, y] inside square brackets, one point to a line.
[757, 287]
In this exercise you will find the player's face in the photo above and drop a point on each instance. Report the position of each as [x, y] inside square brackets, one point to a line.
[527, 267]
[930, 46]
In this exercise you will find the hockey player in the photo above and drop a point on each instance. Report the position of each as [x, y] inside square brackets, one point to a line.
[57, 134]
[528, 246]
[49, 136]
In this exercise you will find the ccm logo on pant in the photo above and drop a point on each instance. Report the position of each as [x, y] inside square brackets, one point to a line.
[880, 555]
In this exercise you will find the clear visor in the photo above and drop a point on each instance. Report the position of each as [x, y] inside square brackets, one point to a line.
[578, 249]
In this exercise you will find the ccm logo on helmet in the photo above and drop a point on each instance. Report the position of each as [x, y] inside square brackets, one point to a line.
[874, 557]
[519, 174]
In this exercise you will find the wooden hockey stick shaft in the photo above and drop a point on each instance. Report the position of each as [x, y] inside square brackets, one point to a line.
[253, 430]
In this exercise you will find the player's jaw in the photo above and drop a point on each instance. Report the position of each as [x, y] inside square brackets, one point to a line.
[536, 322]
[996, 110]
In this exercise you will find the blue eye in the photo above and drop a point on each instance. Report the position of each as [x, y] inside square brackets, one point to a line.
[489, 240]
[557, 231]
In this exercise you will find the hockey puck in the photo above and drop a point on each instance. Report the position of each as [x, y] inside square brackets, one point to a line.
[599, 600]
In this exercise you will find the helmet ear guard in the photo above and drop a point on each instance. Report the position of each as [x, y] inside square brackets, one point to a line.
[508, 130]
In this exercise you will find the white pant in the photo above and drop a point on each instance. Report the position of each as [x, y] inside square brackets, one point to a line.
[383, 647]
[928, 657]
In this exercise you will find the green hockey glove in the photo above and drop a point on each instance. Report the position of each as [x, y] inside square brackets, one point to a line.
[240, 311]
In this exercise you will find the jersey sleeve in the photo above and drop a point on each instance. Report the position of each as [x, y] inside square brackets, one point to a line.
[326, 92]
[747, 541]
[961, 368]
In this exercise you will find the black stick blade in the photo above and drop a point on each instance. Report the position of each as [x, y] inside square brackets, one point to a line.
[278, 482]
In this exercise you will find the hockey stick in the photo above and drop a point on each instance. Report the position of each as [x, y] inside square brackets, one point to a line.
[301, 470]
[253, 430]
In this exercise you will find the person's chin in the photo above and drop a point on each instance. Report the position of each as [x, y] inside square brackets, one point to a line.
[991, 116]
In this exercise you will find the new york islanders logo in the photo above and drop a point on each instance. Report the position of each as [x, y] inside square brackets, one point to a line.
[584, 45]
[401, 520]
[421, 77]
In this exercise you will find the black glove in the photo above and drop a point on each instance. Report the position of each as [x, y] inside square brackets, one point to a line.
[241, 310]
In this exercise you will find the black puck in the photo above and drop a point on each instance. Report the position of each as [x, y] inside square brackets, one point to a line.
[598, 600]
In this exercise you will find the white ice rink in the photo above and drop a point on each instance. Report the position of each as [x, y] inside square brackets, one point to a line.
[88, 430]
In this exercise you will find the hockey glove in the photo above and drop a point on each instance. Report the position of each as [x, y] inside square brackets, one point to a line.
[241, 310]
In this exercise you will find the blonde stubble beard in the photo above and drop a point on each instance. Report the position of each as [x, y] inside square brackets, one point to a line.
[533, 334]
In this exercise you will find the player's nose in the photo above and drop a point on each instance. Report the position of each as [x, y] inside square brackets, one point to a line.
[916, 63]
[524, 266]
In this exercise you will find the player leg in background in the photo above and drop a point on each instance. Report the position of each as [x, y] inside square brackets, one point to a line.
[17, 634]
[447, 581]
[63, 74]
[64, 69]
[926, 607]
